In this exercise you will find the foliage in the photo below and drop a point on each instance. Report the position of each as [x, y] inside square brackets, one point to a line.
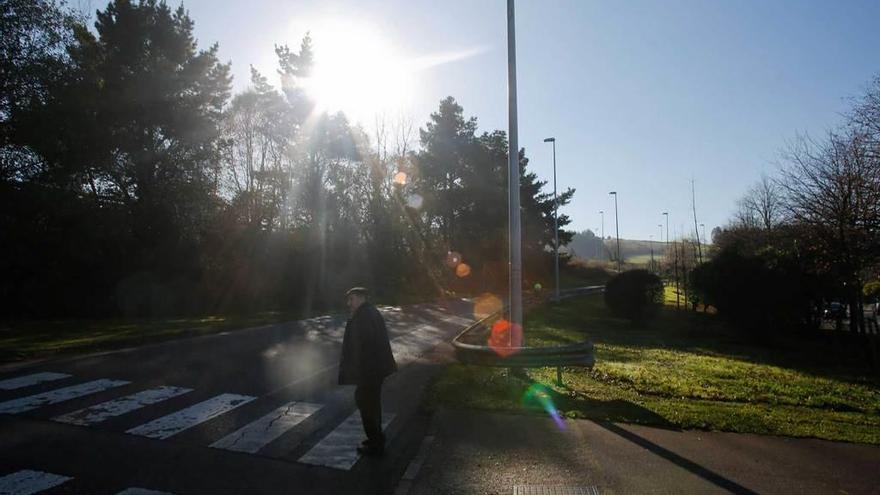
[807, 237]
[761, 292]
[134, 183]
[685, 371]
[635, 294]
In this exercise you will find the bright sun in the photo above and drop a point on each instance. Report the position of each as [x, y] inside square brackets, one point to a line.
[357, 72]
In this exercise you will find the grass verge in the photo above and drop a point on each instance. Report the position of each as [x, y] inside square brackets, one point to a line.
[41, 339]
[684, 370]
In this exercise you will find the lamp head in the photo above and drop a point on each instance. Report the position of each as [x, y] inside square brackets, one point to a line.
[550, 140]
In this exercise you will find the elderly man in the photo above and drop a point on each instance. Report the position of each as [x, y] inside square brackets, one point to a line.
[366, 361]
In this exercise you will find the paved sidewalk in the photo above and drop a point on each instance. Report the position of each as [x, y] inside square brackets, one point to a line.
[488, 453]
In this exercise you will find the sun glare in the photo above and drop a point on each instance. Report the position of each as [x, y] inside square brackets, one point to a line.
[357, 71]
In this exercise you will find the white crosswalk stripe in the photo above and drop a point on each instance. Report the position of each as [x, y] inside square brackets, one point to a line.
[142, 491]
[117, 407]
[30, 402]
[184, 419]
[29, 380]
[26, 482]
[256, 435]
[339, 448]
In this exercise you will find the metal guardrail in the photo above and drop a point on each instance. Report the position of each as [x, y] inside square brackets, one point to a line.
[580, 354]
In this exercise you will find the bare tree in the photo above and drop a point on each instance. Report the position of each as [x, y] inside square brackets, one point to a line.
[762, 206]
[833, 188]
[865, 117]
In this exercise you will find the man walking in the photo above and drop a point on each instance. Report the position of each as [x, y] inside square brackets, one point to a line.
[366, 361]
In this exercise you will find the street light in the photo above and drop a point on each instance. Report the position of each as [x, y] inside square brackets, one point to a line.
[660, 264]
[513, 204]
[555, 218]
[617, 229]
[666, 214]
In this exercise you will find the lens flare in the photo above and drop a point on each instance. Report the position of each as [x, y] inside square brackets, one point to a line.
[541, 395]
[485, 305]
[504, 338]
[453, 259]
[414, 201]
[462, 270]
[400, 178]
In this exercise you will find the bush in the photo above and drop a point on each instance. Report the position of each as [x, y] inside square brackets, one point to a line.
[636, 295]
[760, 294]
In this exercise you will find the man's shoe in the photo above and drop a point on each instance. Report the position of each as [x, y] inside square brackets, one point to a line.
[370, 450]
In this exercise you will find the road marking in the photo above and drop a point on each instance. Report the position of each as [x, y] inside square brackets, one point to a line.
[339, 448]
[412, 470]
[414, 466]
[26, 482]
[100, 412]
[142, 491]
[30, 402]
[28, 380]
[184, 419]
[256, 435]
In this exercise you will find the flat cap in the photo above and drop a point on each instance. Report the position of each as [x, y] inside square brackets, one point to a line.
[360, 291]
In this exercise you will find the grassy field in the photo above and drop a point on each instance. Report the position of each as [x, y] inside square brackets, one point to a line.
[40, 339]
[684, 371]
[640, 259]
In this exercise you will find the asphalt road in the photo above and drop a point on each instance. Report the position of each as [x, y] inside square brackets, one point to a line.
[251, 411]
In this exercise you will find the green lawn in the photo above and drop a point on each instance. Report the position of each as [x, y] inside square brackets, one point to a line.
[40, 339]
[640, 259]
[685, 371]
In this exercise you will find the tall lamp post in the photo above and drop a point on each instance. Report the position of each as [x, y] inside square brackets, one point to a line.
[513, 204]
[555, 218]
[616, 229]
[660, 263]
[666, 214]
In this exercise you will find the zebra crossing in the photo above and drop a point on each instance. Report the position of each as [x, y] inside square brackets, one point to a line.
[315, 432]
[336, 450]
[28, 482]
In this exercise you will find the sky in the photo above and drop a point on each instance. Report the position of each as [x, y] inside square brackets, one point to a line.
[642, 96]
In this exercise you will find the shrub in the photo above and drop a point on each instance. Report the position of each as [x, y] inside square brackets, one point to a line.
[636, 295]
[760, 294]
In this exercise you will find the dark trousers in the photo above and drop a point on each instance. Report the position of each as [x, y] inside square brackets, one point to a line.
[368, 397]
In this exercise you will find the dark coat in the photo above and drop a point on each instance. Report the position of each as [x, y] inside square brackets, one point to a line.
[366, 351]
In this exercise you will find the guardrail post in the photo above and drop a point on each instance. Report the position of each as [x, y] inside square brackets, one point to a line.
[559, 375]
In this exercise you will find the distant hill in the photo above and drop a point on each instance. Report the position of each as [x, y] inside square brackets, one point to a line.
[589, 246]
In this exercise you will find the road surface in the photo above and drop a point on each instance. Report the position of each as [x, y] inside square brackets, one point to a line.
[252, 411]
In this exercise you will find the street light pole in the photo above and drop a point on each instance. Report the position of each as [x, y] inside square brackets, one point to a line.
[555, 218]
[513, 205]
[660, 263]
[666, 214]
[616, 229]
